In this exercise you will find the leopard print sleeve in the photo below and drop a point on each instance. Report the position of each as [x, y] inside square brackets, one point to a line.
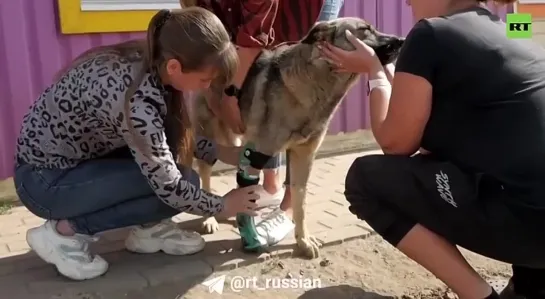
[148, 145]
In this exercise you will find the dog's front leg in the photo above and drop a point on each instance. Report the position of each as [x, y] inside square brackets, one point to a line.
[209, 224]
[300, 164]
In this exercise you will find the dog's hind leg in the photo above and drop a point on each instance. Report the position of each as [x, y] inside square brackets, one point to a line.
[300, 165]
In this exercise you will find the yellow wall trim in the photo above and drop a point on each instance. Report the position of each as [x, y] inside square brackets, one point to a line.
[75, 21]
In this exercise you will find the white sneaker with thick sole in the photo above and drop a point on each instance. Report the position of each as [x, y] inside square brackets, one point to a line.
[70, 255]
[274, 227]
[267, 199]
[165, 236]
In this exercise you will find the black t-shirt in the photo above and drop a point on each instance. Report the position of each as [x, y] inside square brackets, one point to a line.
[488, 108]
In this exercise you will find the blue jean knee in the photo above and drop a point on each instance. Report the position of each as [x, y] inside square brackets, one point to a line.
[330, 10]
[95, 196]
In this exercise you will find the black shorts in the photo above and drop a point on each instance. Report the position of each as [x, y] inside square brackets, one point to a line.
[394, 193]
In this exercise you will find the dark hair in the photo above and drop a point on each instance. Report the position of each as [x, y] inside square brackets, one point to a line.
[197, 39]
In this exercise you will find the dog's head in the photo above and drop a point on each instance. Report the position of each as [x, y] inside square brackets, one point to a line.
[386, 46]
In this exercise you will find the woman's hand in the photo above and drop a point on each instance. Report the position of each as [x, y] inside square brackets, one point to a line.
[241, 200]
[361, 60]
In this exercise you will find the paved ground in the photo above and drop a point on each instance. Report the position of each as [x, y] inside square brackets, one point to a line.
[22, 275]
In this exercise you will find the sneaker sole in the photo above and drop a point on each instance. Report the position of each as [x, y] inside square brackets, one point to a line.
[47, 253]
[152, 246]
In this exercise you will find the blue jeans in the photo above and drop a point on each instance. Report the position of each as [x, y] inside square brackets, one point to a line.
[95, 196]
[330, 10]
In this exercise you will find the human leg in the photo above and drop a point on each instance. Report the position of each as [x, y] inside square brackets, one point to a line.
[330, 10]
[271, 226]
[277, 224]
[274, 225]
[208, 152]
[425, 207]
[93, 197]
[271, 178]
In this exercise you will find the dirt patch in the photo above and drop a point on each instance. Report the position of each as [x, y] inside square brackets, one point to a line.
[364, 269]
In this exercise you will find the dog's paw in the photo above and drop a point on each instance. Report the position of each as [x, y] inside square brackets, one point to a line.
[309, 247]
[210, 225]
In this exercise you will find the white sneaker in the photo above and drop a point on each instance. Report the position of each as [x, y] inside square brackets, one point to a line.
[70, 255]
[165, 236]
[267, 199]
[274, 227]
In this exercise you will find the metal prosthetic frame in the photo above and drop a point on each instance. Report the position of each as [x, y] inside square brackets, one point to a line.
[249, 157]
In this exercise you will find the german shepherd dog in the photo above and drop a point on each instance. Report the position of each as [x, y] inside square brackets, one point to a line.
[287, 102]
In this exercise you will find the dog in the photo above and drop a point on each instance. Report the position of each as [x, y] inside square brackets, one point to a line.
[287, 102]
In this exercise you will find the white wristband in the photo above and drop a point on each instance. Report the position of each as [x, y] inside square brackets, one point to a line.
[378, 83]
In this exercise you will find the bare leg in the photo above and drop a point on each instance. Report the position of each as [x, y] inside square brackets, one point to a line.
[271, 177]
[271, 180]
[444, 261]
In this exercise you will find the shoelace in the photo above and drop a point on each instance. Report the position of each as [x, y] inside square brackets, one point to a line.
[272, 220]
[84, 241]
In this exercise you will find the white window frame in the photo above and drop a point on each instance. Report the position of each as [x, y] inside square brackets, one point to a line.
[531, 2]
[124, 5]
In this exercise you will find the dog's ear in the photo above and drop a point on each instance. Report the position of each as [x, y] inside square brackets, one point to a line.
[322, 31]
[188, 3]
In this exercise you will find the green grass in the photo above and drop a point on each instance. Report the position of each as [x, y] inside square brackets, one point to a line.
[8, 197]
[5, 207]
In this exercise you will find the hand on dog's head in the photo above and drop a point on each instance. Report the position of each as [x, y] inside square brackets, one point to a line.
[386, 46]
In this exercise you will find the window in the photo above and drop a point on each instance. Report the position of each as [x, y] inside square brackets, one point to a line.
[128, 5]
[532, 1]
[100, 16]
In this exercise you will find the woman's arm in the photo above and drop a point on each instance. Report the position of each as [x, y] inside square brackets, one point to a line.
[399, 115]
[390, 69]
[399, 119]
[152, 154]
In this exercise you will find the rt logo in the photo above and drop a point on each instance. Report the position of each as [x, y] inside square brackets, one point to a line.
[519, 25]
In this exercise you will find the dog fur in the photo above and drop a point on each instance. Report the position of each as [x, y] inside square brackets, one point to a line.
[287, 104]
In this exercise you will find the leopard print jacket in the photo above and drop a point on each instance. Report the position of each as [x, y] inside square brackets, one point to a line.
[81, 117]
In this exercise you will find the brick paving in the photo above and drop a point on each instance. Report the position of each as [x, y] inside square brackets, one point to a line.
[23, 275]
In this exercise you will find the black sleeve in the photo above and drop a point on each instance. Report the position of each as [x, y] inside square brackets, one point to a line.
[419, 53]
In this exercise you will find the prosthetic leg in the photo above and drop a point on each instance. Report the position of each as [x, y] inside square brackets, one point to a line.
[249, 157]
